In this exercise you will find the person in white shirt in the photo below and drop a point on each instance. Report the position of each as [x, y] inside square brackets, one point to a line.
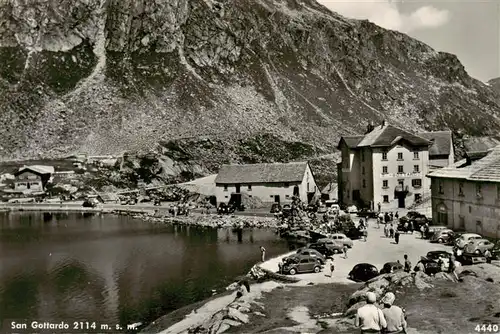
[370, 318]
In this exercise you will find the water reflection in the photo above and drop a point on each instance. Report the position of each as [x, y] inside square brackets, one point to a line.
[115, 269]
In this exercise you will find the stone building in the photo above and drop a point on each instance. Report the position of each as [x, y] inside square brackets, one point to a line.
[466, 195]
[269, 182]
[388, 165]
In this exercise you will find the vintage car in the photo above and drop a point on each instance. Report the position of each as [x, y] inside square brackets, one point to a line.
[90, 202]
[363, 272]
[478, 246]
[431, 261]
[300, 264]
[442, 236]
[329, 245]
[466, 238]
[275, 208]
[341, 238]
[391, 267]
[367, 213]
[310, 252]
[225, 209]
[352, 209]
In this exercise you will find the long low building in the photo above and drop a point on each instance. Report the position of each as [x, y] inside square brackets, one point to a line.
[466, 195]
[269, 182]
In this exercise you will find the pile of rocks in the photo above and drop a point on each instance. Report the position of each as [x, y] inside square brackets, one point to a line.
[214, 221]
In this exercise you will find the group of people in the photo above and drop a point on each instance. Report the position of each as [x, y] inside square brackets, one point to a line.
[388, 319]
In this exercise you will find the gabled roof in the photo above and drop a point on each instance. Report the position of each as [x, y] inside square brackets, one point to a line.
[351, 141]
[441, 142]
[385, 136]
[262, 173]
[38, 169]
[475, 145]
[486, 169]
[330, 188]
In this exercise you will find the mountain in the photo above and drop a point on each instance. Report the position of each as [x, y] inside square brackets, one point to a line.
[495, 84]
[242, 80]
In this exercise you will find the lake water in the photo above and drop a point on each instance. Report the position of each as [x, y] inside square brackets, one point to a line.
[115, 269]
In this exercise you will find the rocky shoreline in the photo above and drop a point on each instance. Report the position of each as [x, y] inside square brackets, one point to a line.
[206, 220]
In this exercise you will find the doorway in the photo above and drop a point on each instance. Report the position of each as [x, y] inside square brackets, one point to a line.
[238, 186]
[276, 198]
[296, 191]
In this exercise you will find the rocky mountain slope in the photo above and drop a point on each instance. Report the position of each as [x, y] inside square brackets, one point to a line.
[495, 84]
[108, 76]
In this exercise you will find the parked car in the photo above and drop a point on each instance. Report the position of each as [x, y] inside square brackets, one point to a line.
[322, 208]
[466, 238]
[310, 252]
[470, 259]
[431, 261]
[451, 241]
[236, 206]
[334, 246]
[367, 213]
[363, 272]
[90, 203]
[331, 203]
[391, 267]
[352, 209]
[341, 238]
[433, 229]
[224, 209]
[495, 252]
[442, 236]
[301, 264]
[275, 208]
[478, 246]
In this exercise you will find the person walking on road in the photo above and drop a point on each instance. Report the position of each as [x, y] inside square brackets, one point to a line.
[407, 264]
[386, 230]
[263, 253]
[391, 231]
[394, 315]
[396, 236]
[344, 249]
[365, 233]
[369, 318]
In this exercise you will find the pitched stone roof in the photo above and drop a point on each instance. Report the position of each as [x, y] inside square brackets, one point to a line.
[479, 144]
[486, 169]
[441, 142]
[352, 141]
[385, 136]
[38, 169]
[262, 173]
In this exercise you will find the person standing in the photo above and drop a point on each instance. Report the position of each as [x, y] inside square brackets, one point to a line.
[365, 233]
[391, 231]
[379, 206]
[452, 266]
[396, 236]
[407, 265]
[392, 216]
[386, 230]
[332, 267]
[394, 315]
[369, 318]
[344, 249]
[487, 255]
[410, 227]
[263, 253]
[396, 215]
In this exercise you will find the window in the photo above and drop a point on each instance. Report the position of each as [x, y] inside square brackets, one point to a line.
[461, 189]
[418, 198]
[385, 170]
[286, 196]
[385, 184]
[384, 155]
[362, 156]
[364, 183]
[386, 199]
[250, 196]
[461, 223]
[416, 183]
[272, 196]
[478, 191]
[226, 196]
[225, 187]
[441, 191]
[400, 156]
[287, 185]
[416, 169]
[363, 170]
[415, 155]
[470, 209]
[249, 187]
[401, 169]
[498, 192]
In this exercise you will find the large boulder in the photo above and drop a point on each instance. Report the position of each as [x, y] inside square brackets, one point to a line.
[422, 280]
[234, 314]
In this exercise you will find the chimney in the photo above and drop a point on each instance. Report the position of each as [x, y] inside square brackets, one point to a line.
[369, 128]
[383, 123]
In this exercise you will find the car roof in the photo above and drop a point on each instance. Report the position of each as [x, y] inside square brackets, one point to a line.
[393, 264]
[364, 265]
[438, 252]
[478, 240]
[338, 234]
[468, 235]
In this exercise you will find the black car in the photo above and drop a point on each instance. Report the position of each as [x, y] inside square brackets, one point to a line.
[275, 208]
[363, 272]
[367, 213]
[225, 209]
[391, 267]
[431, 261]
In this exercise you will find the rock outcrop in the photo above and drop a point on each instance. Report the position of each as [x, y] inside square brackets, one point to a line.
[230, 79]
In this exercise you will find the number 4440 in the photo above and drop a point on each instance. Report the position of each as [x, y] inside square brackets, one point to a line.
[486, 328]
